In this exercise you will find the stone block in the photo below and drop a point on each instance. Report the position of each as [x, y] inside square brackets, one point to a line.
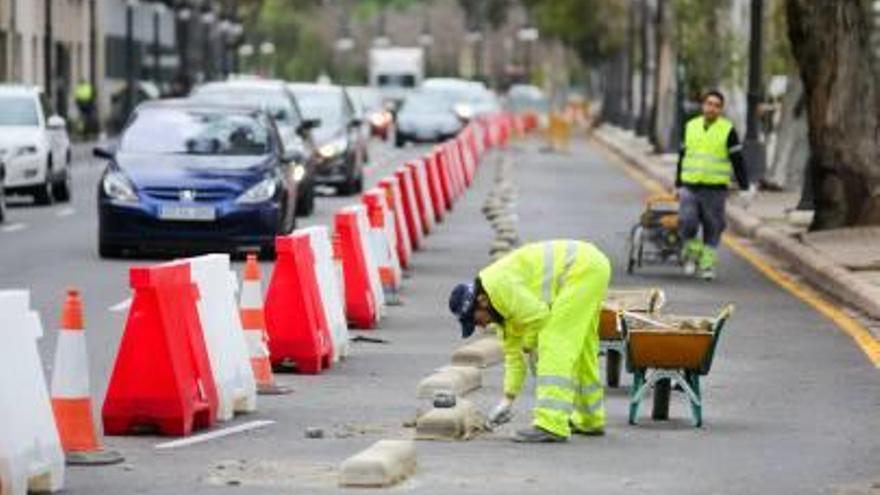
[456, 379]
[461, 422]
[385, 463]
[481, 353]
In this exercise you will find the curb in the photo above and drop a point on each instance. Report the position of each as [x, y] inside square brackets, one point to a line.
[808, 262]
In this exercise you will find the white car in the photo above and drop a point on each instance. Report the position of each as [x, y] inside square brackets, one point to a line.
[34, 146]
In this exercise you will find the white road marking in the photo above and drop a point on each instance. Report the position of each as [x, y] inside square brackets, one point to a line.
[13, 227]
[120, 306]
[212, 435]
[65, 212]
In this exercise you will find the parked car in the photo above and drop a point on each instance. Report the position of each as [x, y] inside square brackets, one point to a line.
[193, 177]
[34, 145]
[462, 94]
[426, 116]
[295, 130]
[369, 106]
[342, 147]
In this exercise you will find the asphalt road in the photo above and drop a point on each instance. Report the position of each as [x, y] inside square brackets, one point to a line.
[791, 404]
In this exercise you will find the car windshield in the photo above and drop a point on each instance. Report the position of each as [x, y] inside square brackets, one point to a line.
[270, 100]
[195, 132]
[18, 111]
[321, 104]
[424, 103]
[396, 80]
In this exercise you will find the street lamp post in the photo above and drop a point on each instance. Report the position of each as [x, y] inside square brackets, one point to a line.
[48, 52]
[184, 14]
[753, 148]
[209, 18]
[93, 62]
[158, 9]
[642, 124]
[630, 65]
[129, 56]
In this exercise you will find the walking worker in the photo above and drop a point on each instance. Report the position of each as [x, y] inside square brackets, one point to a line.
[710, 155]
[544, 300]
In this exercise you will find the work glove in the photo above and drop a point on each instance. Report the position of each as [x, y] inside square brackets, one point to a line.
[500, 414]
[748, 196]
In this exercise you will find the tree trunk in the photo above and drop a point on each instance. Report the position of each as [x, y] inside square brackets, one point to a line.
[831, 43]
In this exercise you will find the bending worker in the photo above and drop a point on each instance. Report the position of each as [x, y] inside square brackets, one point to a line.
[710, 155]
[544, 299]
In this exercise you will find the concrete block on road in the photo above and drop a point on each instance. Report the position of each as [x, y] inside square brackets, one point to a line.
[456, 379]
[385, 463]
[481, 353]
[461, 422]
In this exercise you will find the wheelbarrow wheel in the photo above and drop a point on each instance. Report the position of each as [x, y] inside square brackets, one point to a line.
[662, 391]
[613, 364]
[635, 249]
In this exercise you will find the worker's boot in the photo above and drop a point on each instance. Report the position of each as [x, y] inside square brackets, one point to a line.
[707, 263]
[537, 435]
[691, 255]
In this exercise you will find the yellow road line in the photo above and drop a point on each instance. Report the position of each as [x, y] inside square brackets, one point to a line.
[846, 323]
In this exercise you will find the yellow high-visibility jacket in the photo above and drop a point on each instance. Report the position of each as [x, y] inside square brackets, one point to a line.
[521, 287]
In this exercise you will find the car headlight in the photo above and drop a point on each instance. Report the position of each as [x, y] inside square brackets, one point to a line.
[25, 150]
[380, 119]
[259, 192]
[464, 111]
[333, 148]
[117, 187]
[299, 172]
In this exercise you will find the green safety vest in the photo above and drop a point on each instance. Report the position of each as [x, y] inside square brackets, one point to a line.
[83, 92]
[706, 159]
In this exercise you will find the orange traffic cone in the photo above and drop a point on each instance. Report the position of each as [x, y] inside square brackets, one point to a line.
[254, 322]
[71, 398]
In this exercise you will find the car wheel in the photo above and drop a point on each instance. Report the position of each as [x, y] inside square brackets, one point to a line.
[2, 202]
[267, 251]
[399, 141]
[61, 188]
[305, 204]
[43, 193]
[108, 251]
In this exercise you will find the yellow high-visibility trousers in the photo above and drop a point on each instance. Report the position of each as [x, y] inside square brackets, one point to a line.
[569, 388]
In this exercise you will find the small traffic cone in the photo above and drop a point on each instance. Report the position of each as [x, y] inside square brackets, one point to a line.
[71, 398]
[254, 322]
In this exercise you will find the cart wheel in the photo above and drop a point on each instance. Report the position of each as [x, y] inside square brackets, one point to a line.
[613, 364]
[635, 249]
[662, 390]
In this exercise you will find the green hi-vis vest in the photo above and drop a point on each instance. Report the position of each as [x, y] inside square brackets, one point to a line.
[706, 159]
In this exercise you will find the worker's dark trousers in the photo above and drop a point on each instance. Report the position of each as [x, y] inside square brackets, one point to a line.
[701, 207]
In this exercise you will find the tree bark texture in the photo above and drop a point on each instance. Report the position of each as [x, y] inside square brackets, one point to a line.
[831, 43]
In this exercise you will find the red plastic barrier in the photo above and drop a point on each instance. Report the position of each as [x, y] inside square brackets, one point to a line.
[465, 159]
[384, 242]
[393, 195]
[410, 208]
[435, 187]
[295, 323]
[422, 193]
[445, 177]
[453, 170]
[459, 167]
[361, 308]
[162, 378]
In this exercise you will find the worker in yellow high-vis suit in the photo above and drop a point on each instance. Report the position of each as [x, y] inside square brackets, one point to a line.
[545, 299]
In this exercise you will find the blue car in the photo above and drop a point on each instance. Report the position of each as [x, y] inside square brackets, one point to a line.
[193, 178]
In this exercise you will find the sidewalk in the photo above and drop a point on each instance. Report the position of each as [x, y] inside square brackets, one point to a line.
[844, 263]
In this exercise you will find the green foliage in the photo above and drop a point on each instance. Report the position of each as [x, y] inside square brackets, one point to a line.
[300, 53]
[593, 28]
[778, 58]
[485, 12]
[711, 53]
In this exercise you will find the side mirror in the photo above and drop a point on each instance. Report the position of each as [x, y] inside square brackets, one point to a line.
[56, 123]
[104, 152]
[307, 125]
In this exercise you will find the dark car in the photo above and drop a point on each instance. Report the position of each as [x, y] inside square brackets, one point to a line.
[341, 144]
[195, 178]
[294, 129]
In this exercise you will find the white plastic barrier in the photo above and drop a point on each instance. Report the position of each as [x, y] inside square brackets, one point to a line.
[31, 457]
[372, 258]
[332, 297]
[224, 336]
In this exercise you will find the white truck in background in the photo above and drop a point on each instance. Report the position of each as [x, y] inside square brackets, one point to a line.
[396, 71]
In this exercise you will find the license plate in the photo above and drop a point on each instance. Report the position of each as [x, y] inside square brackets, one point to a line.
[187, 213]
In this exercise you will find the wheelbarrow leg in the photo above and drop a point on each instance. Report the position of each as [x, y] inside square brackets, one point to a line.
[697, 407]
[612, 367]
[636, 395]
[662, 391]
